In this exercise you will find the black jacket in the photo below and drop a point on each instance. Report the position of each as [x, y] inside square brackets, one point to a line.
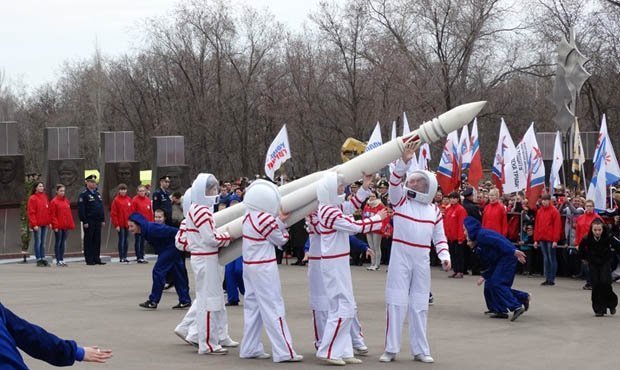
[472, 209]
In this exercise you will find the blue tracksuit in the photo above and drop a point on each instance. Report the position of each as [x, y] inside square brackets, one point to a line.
[16, 332]
[497, 255]
[161, 237]
[234, 280]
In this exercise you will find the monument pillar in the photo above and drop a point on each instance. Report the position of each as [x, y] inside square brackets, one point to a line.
[169, 160]
[12, 192]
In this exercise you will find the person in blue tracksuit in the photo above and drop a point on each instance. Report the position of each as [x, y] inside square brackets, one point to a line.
[233, 279]
[16, 332]
[499, 257]
[169, 258]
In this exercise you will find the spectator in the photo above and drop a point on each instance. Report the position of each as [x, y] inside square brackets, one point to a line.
[16, 332]
[473, 210]
[90, 209]
[62, 222]
[161, 197]
[119, 213]
[494, 214]
[39, 220]
[142, 205]
[372, 207]
[526, 244]
[387, 230]
[547, 230]
[177, 209]
[159, 217]
[453, 224]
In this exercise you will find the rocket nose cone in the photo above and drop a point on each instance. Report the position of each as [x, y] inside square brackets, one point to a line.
[458, 117]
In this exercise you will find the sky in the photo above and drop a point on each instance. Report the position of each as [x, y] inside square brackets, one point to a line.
[37, 36]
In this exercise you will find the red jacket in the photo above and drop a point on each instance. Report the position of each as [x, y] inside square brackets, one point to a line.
[120, 211]
[38, 210]
[60, 212]
[582, 225]
[547, 224]
[370, 211]
[494, 217]
[453, 222]
[143, 206]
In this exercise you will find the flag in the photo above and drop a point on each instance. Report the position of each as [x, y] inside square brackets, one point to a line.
[606, 169]
[527, 169]
[578, 155]
[375, 140]
[393, 131]
[424, 157]
[406, 129]
[504, 144]
[558, 159]
[465, 149]
[475, 168]
[448, 173]
[279, 151]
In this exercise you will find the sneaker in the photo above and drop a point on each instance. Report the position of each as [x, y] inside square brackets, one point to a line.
[423, 358]
[182, 306]
[229, 343]
[361, 350]
[526, 304]
[499, 315]
[544, 283]
[262, 356]
[296, 358]
[125, 261]
[459, 276]
[518, 312]
[168, 286]
[219, 351]
[45, 263]
[387, 357]
[334, 361]
[100, 263]
[40, 263]
[148, 304]
[183, 337]
[587, 287]
[612, 311]
[352, 360]
[142, 261]
[599, 314]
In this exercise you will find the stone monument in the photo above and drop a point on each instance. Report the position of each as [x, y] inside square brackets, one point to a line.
[11, 189]
[119, 165]
[169, 160]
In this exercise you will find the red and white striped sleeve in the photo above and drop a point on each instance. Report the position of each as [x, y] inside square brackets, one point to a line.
[439, 237]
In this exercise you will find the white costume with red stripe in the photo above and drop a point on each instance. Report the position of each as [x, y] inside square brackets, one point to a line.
[316, 289]
[335, 228]
[416, 225]
[263, 304]
[187, 326]
[204, 243]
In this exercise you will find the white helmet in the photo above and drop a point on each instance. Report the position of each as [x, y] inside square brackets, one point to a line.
[206, 190]
[264, 196]
[327, 189]
[187, 201]
[421, 186]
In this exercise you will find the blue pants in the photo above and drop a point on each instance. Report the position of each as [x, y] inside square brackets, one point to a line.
[39, 242]
[123, 234]
[234, 280]
[139, 247]
[59, 244]
[550, 261]
[169, 259]
[498, 292]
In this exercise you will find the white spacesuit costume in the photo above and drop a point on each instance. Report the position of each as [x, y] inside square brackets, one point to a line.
[316, 289]
[417, 224]
[334, 227]
[204, 242]
[263, 304]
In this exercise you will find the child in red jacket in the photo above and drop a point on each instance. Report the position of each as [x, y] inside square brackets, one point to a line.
[62, 222]
[453, 222]
[119, 213]
[141, 204]
[39, 219]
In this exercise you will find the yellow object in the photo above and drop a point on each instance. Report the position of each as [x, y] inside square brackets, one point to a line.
[92, 172]
[351, 149]
[145, 177]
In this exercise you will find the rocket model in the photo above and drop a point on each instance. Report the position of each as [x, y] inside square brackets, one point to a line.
[299, 196]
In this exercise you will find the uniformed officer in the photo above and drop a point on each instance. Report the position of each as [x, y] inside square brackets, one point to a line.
[161, 198]
[90, 207]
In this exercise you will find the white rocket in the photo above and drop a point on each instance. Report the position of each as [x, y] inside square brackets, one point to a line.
[299, 196]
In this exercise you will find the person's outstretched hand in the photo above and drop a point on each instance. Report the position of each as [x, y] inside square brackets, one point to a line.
[96, 354]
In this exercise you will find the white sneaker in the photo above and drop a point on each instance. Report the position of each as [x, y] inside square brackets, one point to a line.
[334, 361]
[229, 343]
[361, 351]
[424, 358]
[352, 360]
[262, 356]
[219, 351]
[387, 357]
[182, 335]
[296, 358]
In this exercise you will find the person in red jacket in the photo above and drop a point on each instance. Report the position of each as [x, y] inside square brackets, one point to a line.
[547, 232]
[141, 204]
[372, 207]
[119, 213]
[494, 215]
[583, 222]
[62, 222]
[453, 222]
[39, 220]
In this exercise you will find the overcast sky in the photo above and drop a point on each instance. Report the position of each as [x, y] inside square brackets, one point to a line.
[37, 36]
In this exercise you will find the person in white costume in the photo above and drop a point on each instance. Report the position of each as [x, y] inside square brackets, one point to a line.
[316, 289]
[204, 242]
[262, 303]
[336, 344]
[417, 224]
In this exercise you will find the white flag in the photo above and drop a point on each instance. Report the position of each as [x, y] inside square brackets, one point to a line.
[279, 151]
[598, 185]
[558, 159]
[406, 129]
[393, 131]
[424, 157]
[515, 165]
[465, 148]
[375, 140]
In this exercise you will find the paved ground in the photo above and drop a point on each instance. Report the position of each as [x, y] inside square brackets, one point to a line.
[98, 305]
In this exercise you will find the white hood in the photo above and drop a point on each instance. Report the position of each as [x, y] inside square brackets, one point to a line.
[205, 182]
[425, 194]
[187, 201]
[263, 196]
[327, 189]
